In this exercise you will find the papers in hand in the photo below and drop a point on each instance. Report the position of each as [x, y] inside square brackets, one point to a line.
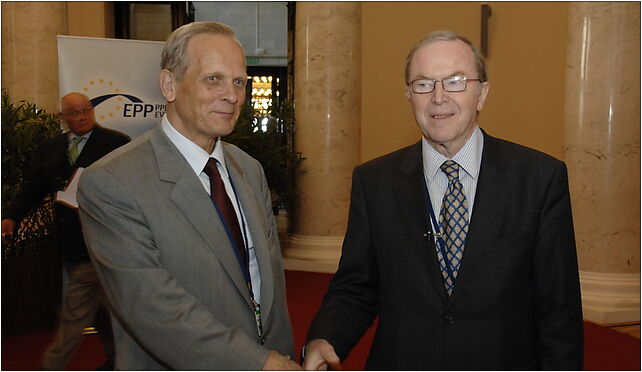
[68, 195]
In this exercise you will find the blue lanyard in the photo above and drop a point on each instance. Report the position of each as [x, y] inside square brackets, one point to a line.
[438, 234]
[244, 265]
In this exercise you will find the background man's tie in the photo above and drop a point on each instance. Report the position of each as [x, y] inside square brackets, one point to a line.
[73, 151]
[222, 201]
[454, 224]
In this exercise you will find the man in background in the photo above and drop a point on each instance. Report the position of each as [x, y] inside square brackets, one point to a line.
[461, 244]
[180, 226]
[57, 161]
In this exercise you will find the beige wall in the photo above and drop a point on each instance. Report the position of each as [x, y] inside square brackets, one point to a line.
[90, 18]
[526, 68]
[527, 60]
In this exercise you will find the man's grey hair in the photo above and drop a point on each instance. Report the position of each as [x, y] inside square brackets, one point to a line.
[447, 36]
[174, 57]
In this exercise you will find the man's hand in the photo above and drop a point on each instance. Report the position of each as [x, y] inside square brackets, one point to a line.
[319, 355]
[277, 362]
[8, 228]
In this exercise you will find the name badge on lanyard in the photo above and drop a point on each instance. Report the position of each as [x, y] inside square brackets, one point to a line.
[438, 235]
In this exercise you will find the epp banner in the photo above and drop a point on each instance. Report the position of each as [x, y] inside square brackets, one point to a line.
[120, 77]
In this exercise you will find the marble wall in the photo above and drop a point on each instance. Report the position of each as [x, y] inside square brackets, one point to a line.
[602, 138]
[327, 89]
[29, 50]
[328, 106]
[602, 133]
[30, 44]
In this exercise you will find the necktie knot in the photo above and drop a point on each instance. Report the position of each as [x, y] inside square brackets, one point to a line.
[211, 168]
[451, 169]
[73, 150]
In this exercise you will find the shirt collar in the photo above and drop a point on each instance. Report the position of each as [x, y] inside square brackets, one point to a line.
[468, 157]
[219, 155]
[71, 136]
[193, 153]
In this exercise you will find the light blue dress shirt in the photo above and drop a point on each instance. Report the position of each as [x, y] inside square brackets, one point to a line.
[469, 160]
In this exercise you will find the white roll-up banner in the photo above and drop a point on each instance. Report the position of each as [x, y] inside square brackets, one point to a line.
[120, 77]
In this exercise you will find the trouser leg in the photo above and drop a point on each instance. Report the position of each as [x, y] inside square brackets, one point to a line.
[79, 305]
[102, 323]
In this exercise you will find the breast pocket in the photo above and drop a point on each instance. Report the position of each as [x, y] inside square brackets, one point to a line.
[508, 244]
[506, 253]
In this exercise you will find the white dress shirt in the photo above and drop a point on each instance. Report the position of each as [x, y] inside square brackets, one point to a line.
[469, 160]
[197, 158]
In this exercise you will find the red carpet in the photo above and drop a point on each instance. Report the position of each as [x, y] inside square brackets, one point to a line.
[311, 287]
[24, 352]
[605, 349]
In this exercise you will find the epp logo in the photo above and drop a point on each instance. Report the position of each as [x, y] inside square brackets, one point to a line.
[135, 109]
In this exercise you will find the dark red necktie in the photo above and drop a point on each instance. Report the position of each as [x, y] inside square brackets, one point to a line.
[225, 207]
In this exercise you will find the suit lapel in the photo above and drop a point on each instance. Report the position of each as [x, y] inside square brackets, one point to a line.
[192, 201]
[410, 190]
[483, 223]
[256, 222]
[60, 150]
[89, 152]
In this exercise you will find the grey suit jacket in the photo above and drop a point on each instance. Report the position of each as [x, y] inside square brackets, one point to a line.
[178, 295]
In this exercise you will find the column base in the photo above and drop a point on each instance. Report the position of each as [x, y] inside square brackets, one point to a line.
[312, 253]
[609, 298]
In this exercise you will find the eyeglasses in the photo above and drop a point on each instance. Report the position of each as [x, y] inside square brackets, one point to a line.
[84, 111]
[451, 84]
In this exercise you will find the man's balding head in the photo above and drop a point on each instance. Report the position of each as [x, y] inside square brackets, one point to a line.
[78, 113]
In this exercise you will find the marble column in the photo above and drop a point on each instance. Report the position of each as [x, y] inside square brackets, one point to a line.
[30, 50]
[602, 151]
[327, 89]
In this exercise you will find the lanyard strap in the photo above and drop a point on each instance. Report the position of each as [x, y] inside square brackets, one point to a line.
[244, 265]
[436, 231]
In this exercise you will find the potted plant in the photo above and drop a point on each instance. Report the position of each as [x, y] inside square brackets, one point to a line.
[31, 272]
[269, 139]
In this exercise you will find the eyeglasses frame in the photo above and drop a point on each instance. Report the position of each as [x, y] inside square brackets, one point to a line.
[84, 111]
[465, 79]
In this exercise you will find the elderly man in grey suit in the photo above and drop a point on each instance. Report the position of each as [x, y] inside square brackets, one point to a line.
[195, 280]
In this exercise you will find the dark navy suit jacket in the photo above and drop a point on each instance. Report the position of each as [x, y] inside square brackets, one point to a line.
[51, 173]
[516, 303]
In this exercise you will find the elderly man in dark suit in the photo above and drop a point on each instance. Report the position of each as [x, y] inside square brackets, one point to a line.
[462, 244]
[57, 161]
[180, 226]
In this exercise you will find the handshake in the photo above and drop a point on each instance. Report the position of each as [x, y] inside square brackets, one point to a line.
[319, 356]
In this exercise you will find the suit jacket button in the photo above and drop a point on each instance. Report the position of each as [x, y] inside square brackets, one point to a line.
[448, 319]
